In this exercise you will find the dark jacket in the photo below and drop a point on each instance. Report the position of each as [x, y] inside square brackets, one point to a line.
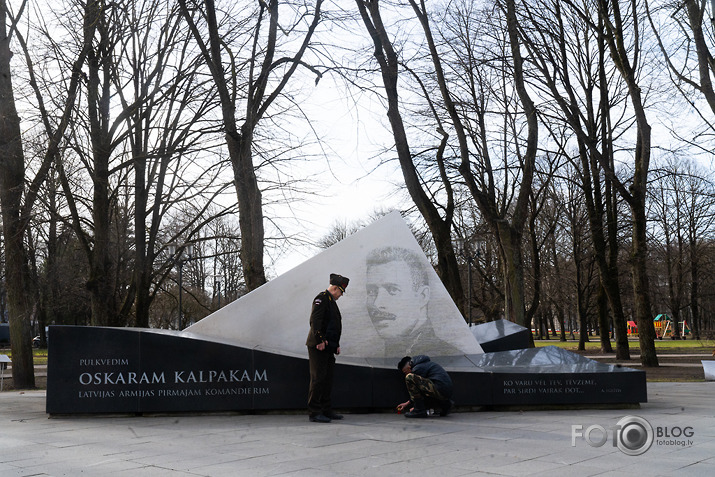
[325, 322]
[423, 367]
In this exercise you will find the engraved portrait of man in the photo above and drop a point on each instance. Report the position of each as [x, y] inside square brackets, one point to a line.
[398, 302]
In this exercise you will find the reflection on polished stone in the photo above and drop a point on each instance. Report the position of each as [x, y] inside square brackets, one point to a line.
[501, 335]
[548, 359]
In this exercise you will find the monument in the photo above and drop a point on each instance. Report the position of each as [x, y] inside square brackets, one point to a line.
[251, 354]
[501, 335]
[395, 301]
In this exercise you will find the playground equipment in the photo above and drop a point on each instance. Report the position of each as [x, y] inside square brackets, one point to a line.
[664, 327]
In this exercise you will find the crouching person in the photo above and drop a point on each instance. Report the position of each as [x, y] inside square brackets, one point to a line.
[428, 384]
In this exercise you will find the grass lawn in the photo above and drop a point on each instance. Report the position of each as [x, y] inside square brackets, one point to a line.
[665, 345]
[39, 356]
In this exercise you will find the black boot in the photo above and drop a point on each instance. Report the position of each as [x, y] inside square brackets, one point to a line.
[418, 411]
[319, 418]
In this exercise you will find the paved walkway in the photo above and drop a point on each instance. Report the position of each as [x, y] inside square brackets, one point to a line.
[464, 443]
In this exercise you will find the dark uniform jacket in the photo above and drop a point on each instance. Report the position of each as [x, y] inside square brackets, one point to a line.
[422, 366]
[325, 322]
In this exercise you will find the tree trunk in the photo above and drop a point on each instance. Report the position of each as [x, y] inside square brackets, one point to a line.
[100, 282]
[641, 290]
[510, 243]
[250, 206]
[694, 289]
[604, 332]
[447, 266]
[12, 178]
[580, 298]
[611, 284]
[559, 301]
[50, 291]
[536, 266]
[562, 323]
[140, 121]
[582, 321]
[141, 274]
[550, 319]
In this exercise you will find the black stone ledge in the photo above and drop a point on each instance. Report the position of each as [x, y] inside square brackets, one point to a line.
[134, 371]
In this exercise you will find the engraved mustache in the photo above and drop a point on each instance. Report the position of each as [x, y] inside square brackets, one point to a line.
[376, 315]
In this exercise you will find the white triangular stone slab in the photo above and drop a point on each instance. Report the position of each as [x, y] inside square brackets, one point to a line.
[276, 315]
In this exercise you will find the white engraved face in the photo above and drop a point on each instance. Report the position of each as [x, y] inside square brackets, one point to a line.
[396, 304]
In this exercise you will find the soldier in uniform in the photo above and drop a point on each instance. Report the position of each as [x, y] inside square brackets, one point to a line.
[323, 344]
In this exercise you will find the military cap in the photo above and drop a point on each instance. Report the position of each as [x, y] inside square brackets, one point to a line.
[339, 281]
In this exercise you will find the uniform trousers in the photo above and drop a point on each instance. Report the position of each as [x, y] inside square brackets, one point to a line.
[322, 364]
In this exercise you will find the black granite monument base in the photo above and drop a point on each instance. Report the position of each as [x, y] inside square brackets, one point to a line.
[126, 370]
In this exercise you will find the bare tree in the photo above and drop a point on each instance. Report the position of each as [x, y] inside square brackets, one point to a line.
[438, 217]
[684, 32]
[617, 30]
[255, 83]
[339, 231]
[544, 211]
[14, 222]
[487, 282]
[19, 212]
[505, 96]
[611, 34]
[668, 214]
[570, 58]
[157, 81]
[700, 219]
[554, 292]
[682, 216]
[576, 223]
[156, 130]
[453, 61]
[683, 37]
